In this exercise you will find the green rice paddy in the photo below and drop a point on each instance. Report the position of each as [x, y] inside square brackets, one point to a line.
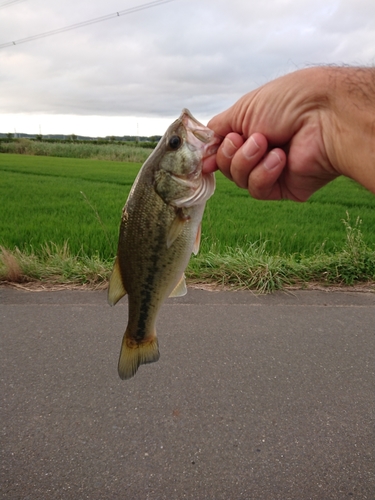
[76, 204]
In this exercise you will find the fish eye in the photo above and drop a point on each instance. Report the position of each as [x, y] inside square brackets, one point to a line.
[175, 142]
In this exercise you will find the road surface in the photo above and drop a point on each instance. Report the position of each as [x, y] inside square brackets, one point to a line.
[254, 397]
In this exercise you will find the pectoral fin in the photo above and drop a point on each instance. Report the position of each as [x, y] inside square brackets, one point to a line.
[116, 289]
[197, 242]
[180, 289]
[176, 227]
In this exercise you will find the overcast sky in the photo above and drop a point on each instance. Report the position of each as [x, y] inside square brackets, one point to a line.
[134, 73]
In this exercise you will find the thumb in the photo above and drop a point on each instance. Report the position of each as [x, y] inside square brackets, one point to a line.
[222, 123]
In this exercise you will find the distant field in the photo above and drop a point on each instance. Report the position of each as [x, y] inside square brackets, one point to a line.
[50, 199]
[115, 151]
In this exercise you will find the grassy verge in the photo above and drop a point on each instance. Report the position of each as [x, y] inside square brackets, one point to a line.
[52, 264]
[251, 268]
[255, 268]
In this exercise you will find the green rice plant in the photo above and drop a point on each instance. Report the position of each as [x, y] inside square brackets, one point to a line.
[237, 220]
[77, 204]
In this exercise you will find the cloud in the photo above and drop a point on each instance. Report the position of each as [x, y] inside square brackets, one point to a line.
[187, 53]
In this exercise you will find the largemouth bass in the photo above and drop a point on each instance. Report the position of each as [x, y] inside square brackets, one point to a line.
[160, 229]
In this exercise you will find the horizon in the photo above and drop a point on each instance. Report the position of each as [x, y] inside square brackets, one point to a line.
[89, 126]
[78, 136]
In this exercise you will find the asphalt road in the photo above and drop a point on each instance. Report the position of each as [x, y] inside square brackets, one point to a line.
[261, 398]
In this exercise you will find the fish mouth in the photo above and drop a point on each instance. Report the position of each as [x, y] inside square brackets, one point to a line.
[199, 137]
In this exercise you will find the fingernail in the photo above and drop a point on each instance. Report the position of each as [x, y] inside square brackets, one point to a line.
[250, 148]
[272, 161]
[228, 148]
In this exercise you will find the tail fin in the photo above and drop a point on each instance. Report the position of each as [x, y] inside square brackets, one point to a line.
[133, 355]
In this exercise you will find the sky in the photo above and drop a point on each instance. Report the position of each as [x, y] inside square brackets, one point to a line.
[132, 74]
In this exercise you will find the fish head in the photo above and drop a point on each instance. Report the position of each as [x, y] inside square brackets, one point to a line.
[187, 143]
[179, 179]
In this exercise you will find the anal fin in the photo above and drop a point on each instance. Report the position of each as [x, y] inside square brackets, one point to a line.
[180, 289]
[116, 289]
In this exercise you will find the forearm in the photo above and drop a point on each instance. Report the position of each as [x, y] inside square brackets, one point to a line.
[349, 133]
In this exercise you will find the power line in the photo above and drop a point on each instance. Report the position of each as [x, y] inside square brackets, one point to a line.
[86, 23]
[5, 4]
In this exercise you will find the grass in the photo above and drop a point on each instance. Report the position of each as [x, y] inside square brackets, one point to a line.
[60, 219]
[255, 268]
[52, 264]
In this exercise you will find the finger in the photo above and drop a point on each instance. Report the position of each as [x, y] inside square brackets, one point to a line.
[263, 179]
[228, 148]
[209, 164]
[222, 123]
[247, 158]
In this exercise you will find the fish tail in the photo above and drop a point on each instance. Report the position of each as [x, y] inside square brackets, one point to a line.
[134, 354]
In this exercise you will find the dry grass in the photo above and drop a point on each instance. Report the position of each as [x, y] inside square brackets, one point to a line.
[11, 269]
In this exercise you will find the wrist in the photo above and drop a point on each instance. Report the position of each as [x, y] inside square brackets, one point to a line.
[350, 131]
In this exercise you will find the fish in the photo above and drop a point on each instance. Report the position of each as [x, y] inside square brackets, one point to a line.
[160, 229]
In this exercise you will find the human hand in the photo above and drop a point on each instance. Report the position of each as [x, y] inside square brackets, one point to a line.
[276, 136]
